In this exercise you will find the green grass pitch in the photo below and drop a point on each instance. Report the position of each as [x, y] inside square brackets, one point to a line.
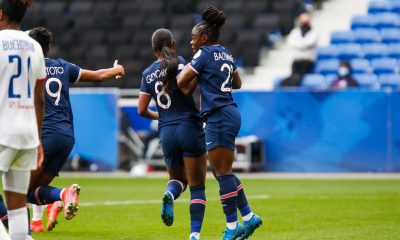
[123, 208]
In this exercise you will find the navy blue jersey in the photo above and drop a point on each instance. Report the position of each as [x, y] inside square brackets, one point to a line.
[173, 107]
[60, 75]
[214, 66]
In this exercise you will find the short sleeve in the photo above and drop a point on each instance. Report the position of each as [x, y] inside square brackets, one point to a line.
[198, 61]
[144, 86]
[40, 73]
[74, 73]
[181, 64]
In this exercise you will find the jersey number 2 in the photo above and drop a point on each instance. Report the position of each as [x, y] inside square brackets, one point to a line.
[227, 85]
[12, 59]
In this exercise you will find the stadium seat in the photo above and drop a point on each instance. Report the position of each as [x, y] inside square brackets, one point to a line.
[386, 20]
[363, 21]
[267, 22]
[384, 65]
[54, 7]
[396, 7]
[394, 50]
[375, 50]
[350, 51]
[339, 37]
[360, 66]
[255, 7]
[233, 6]
[389, 81]
[201, 5]
[366, 35]
[367, 81]
[331, 51]
[82, 8]
[314, 81]
[327, 66]
[379, 6]
[183, 21]
[329, 78]
[390, 35]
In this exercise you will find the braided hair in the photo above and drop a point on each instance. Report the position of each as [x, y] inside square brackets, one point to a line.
[162, 42]
[213, 20]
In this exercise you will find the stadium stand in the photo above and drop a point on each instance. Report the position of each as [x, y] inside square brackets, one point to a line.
[372, 45]
[91, 33]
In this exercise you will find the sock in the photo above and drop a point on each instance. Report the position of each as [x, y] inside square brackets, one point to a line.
[197, 208]
[29, 219]
[44, 195]
[3, 233]
[176, 187]
[228, 195]
[243, 205]
[18, 223]
[195, 234]
[37, 211]
[3, 213]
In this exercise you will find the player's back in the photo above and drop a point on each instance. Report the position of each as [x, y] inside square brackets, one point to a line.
[21, 65]
[58, 118]
[215, 66]
[173, 106]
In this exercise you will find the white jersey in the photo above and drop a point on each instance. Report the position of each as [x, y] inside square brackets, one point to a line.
[21, 65]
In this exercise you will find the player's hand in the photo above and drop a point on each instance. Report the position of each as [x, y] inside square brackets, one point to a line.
[40, 156]
[121, 70]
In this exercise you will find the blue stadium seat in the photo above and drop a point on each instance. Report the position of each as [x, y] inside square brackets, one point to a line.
[339, 37]
[330, 51]
[386, 20]
[375, 50]
[366, 35]
[314, 81]
[390, 35]
[360, 66]
[379, 6]
[384, 65]
[394, 50]
[329, 78]
[350, 51]
[368, 81]
[389, 81]
[327, 66]
[396, 7]
[363, 21]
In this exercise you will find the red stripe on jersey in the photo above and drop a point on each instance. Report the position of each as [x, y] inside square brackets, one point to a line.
[240, 187]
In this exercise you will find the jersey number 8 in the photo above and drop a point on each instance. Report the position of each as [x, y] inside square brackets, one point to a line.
[162, 93]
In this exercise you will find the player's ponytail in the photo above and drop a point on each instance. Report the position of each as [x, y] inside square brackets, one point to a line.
[162, 41]
[213, 20]
[15, 9]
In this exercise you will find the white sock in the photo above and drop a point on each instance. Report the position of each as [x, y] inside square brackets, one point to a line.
[195, 234]
[248, 217]
[37, 212]
[18, 223]
[231, 225]
[3, 233]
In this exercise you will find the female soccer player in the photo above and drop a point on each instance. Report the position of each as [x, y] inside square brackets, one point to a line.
[216, 73]
[58, 133]
[180, 129]
[22, 71]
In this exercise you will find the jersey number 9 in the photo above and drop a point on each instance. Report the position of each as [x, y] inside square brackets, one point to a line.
[57, 93]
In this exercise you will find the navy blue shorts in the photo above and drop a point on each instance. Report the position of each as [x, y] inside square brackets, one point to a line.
[222, 127]
[57, 148]
[184, 140]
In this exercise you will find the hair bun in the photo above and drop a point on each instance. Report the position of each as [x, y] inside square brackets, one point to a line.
[214, 17]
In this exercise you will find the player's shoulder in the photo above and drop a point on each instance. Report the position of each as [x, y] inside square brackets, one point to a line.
[150, 68]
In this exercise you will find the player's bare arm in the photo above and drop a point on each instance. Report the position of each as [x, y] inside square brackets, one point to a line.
[116, 71]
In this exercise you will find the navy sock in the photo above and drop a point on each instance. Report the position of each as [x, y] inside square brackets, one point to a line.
[243, 205]
[197, 208]
[44, 195]
[228, 195]
[176, 187]
[3, 212]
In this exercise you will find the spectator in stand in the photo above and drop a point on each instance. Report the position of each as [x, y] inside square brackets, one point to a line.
[304, 41]
[344, 78]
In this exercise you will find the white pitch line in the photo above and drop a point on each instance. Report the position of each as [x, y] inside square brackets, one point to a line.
[139, 202]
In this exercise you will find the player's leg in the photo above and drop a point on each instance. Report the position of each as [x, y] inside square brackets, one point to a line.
[221, 130]
[195, 168]
[174, 162]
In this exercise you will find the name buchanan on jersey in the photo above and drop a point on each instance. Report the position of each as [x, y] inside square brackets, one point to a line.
[17, 45]
[218, 56]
